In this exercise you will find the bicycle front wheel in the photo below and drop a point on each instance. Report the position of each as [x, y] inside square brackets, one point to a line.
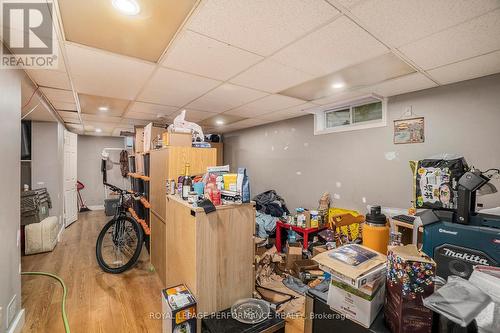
[119, 245]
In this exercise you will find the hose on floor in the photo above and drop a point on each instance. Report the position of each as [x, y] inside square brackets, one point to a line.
[65, 291]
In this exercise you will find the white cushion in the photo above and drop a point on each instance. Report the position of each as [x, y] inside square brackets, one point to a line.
[41, 237]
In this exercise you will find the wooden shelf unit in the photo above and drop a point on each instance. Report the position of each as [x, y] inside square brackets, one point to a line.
[169, 163]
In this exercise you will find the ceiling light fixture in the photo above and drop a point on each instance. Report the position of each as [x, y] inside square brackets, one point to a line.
[98, 130]
[103, 108]
[127, 7]
[219, 122]
[338, 85]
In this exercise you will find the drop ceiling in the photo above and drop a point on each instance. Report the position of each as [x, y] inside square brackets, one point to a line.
[234, 64]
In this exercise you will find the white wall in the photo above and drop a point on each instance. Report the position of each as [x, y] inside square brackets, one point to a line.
[462, 118]
[46, 167]
[89, 166]
[10, 168]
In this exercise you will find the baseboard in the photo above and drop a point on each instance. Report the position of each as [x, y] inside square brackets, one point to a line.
[17, 323]
[96, 207]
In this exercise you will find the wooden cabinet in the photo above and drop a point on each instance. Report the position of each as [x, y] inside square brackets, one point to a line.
[169, 163]
[219, 146]
[211, 253]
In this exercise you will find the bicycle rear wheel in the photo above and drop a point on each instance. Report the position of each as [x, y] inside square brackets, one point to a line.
[119, 245]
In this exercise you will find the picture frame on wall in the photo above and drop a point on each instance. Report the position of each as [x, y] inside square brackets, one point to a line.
[409, 130]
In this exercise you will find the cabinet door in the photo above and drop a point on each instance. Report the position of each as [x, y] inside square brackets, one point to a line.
[158, 248]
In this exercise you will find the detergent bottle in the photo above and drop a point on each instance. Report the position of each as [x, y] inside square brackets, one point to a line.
[376, 230]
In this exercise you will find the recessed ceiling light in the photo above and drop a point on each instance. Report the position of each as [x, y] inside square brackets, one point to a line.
[338, 85]
[127, 7]
[219, 122]
[103, 108]
[98, 130]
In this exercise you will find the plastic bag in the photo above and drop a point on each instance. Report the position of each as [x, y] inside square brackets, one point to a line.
[458, 300]
[435, 182]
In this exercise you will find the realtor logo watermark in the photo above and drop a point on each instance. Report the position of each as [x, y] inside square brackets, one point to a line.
[28, 35]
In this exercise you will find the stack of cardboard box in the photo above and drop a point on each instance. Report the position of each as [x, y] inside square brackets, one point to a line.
[357, 288]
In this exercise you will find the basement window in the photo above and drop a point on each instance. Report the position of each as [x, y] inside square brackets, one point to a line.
[363, 113]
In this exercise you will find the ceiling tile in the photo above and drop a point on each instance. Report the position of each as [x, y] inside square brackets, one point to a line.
[372, 71]
[261, 26]
[50, 78]
[101, 73]
[294, 111]
[244, 124]
[339, 97]
[105, 127]
[401, 85]
[399, 22]
[98, 24]
[194, 115]
[134, 122]
[205, 56]
[147, 116]
[271, 76]
[473, 38]
[69, 116]
[91, 104]
[219, 121]
[265, 105]
[339, 44]
[64, 106]
[154, 109]
[345, 3]
[468, 69]
[39, 113]
[100, 118]
[58, 95]
[175, 88]
[225, 97]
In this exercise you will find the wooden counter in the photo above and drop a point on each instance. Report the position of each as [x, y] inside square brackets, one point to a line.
[212, 254]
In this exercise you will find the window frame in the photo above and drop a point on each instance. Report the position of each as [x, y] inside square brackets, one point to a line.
[321, 112]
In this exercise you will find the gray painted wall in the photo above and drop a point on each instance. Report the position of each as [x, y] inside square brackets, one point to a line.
[10, 173]
[89, 166]
[46, 169]
[462, 118]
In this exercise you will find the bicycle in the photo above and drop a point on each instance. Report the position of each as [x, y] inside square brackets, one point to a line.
[119, 243]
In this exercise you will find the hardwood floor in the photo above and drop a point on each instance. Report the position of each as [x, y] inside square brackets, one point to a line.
[96, 301]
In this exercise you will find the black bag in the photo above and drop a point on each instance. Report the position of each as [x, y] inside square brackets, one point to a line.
[435, 182]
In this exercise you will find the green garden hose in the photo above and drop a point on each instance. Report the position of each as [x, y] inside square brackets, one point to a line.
[65, 291]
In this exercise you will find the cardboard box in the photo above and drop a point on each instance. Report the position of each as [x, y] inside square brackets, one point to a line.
[151, 132]
[303, 265]
[354, 275]
[319, 249]
[293, 253]
[356, 306]
[179, 310]
[139, 140]
[177, 139]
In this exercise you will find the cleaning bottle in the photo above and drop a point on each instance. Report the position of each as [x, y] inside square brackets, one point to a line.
[376, 230]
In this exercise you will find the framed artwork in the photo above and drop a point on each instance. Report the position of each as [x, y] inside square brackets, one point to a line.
[409, 130]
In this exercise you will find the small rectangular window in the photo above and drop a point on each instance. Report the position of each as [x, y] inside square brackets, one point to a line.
[338, 118]
[361, 113]
[367, 112]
